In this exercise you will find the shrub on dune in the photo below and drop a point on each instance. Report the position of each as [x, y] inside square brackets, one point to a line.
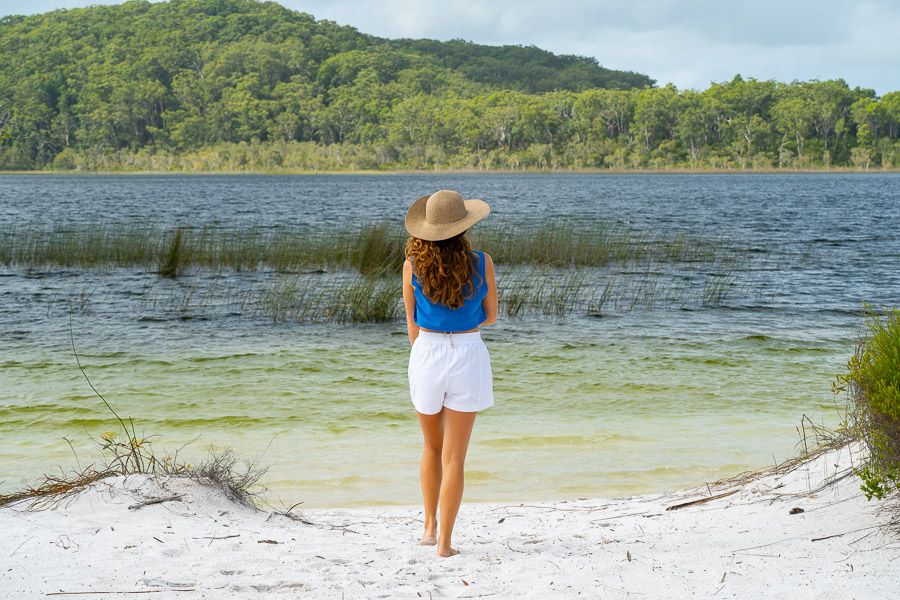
[872, 381]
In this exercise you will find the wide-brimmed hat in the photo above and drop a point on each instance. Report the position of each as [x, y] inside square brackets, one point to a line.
[443, 214]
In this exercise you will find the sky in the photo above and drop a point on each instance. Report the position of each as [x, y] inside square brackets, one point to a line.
[690, 43]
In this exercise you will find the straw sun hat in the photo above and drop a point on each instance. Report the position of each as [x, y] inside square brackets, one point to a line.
[443, 215]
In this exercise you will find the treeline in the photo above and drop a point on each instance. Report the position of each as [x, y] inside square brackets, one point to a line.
[239, 85]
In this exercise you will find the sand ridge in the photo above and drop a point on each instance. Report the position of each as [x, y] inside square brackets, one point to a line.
[753, 541]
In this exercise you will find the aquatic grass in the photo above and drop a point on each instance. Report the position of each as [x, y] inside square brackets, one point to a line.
[717, 288]
[348, 297]
[353, 276]
[538, 291]
[513, 299]
[371, 300]
[172, 263]
[100, 246]
[340, 300]
[378, 249]
[642, 290]
[371, 248]
[290, 299]
[541, 292]
[534, 291]
[599, 298]
[564, 296]
[563, 243]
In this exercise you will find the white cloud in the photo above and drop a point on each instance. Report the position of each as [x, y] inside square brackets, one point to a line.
[30, 7]
[688, 43]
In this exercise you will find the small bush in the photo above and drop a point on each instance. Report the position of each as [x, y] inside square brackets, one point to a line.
[873, 384]
[133, 455]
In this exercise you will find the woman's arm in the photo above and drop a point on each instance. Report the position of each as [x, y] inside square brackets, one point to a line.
[409, 302]
[490, 300]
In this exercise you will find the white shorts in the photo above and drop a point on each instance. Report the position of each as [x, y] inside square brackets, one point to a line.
[452, 370]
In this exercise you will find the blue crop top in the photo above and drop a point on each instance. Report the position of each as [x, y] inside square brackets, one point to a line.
[440, 317]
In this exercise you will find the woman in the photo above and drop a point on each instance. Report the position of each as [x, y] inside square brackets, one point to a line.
[448, 292]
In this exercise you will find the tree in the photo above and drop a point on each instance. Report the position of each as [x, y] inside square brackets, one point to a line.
[656, 115]
[696, 120]
[890, 104]
[794, 114]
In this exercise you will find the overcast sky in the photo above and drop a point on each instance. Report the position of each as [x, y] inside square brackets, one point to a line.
[686, 42]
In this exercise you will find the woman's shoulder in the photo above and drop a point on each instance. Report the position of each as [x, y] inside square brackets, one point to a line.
[484, 257]
[409, 267]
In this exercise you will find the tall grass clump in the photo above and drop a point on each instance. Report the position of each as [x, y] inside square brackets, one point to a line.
[599, 298]
[284, 300]
[371, 248]
[718, 285]
[515, 295]
[872, 382]
[344, 300]
[555, 294]
[379, 248]
[369, 300]
[348, 297]
[171, 265]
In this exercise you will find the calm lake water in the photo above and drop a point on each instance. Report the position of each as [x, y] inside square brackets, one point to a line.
[638, 401]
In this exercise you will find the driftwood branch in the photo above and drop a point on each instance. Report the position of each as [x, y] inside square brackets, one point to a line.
[827, 537]
[701, 500]
[111, 592]
[154, 501]
[634, 514]
[767, 545]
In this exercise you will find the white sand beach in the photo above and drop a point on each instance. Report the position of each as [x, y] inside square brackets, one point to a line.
[751, 542]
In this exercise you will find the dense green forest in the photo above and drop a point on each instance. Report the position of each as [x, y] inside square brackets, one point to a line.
[238, 85]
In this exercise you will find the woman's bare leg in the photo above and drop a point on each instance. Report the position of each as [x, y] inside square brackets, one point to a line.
[430, 472]
[457, 431]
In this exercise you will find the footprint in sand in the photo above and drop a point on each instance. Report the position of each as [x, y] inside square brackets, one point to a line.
[162, 583]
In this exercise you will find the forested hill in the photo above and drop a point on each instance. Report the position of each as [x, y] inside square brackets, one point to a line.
[192, 72]
[524, 68]
[238, 85]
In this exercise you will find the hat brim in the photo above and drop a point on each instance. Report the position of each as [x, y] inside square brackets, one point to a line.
[416, 226]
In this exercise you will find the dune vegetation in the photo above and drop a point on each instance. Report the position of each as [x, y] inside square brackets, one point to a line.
[872, 382]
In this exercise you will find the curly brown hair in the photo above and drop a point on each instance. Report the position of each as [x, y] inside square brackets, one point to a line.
[445, 269]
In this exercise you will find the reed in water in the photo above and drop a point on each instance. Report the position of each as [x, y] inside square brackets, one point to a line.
[374, 247]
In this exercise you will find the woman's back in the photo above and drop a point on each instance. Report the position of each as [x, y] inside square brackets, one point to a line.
[440, 317]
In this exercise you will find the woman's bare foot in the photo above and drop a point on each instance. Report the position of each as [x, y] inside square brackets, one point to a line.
[428, 540]
[429, 537]
[448, 551]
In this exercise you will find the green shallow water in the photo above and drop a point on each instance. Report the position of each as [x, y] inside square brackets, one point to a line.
[583, 408]
[660, 393]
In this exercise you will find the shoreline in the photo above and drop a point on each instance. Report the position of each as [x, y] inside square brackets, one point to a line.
[802, 529]
[388, 172]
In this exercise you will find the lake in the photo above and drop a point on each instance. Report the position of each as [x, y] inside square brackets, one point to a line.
[649, 396]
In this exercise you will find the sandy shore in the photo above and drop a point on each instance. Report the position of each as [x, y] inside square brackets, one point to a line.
[750, 543]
